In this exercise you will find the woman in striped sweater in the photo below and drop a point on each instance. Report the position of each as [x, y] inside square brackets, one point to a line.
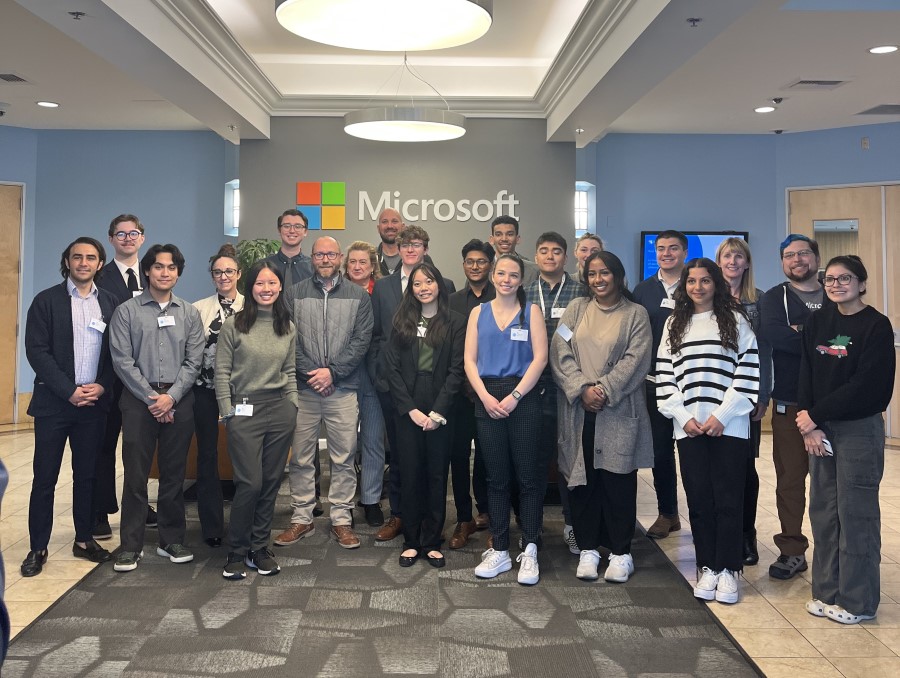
[707, 381]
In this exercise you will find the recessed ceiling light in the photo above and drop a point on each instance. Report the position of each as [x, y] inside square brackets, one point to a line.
[47, 104]
[764, 109]
[884, 49]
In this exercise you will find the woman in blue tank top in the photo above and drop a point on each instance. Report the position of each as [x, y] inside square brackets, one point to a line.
[506, 351]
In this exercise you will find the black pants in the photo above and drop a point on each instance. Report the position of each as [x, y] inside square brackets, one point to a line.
[712, 472]
[389, 412]
[83, 427]
[464, 432]
[751, 483]
[424, 458]
[209, 489]
[511, 446]
[604, 510]
[105, 470]
[665, 479]
[549, 445]
[142, 435]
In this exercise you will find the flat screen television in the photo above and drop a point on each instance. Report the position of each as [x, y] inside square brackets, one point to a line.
[700, 244]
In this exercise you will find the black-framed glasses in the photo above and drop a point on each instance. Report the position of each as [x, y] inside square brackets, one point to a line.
[799, 253]
[294, 227]
[476, 262]
[222, 273]
[843, 279]
[122, 236]
[318, 256]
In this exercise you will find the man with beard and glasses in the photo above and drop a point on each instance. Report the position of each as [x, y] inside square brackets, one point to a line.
[783, 311]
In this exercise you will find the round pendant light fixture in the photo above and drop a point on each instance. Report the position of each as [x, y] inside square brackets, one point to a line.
[405, 124]
[387, 25]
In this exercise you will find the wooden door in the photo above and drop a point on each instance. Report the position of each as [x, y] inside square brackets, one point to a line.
[10, 233]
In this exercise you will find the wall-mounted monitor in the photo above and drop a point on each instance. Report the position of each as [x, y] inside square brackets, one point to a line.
[700, 244]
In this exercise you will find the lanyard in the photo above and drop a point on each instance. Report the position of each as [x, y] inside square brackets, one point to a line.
[541, 295]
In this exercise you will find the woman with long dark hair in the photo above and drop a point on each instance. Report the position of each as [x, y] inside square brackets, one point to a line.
[707, 381]
[734, 258]
[506, 351]
[214, 310]
[601, 354]
[424, 359]
[847, 364]
[256, 388]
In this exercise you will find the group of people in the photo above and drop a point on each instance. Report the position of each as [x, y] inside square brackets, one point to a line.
[537, 367]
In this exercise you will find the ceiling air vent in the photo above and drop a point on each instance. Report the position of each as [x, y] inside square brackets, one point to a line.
[883, 109]
[814, 85]
[12, 78]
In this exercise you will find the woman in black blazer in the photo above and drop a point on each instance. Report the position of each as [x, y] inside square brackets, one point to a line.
[424, 360]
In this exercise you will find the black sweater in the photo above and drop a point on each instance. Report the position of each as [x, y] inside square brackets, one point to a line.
[847, 365]
[650, 293]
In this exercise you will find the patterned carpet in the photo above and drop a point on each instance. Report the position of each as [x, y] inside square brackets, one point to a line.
[358, 614]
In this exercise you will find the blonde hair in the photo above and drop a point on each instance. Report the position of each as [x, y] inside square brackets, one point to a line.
[589, 236]
[748, 287]
[363, 246]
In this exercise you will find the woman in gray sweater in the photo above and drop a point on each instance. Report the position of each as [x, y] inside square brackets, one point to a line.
[600, 355]
[256, 389]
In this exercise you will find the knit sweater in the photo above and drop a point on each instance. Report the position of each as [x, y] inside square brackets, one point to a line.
[704, 378]
[257, 361]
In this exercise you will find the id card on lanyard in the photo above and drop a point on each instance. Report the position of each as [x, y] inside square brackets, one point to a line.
[555, 312]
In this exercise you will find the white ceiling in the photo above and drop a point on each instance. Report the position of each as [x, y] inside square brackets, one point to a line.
[599, 65]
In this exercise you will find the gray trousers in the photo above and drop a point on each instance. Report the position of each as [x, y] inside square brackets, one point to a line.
[846, 517]
[258, 447]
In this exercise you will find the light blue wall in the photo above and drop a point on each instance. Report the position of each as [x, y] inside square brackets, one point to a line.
[173, 181]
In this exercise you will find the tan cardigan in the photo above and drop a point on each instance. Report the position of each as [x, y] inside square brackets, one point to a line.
[623, 441]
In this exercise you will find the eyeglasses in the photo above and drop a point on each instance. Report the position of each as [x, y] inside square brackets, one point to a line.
[293, 227]
[412, 245]
[223, 273]
[476, 262]
[800, 253]
[318, 256]
[121, 236]
[843, 279]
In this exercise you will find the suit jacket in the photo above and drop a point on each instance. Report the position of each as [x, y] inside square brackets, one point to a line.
[49, 347]
[402, 365]
[109, 278]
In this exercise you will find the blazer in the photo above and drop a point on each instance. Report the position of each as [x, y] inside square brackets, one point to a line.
[51, 353]
[208, 308]
[402, 363]
[109, 278]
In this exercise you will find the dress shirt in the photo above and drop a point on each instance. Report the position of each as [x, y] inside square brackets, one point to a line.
[123, 271]
[87, 341]
[670, 289]
[465, 299]
[143, 352]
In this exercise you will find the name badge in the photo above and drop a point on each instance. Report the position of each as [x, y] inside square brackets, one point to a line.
[557, 312]
[243, 410]
[98, 325]
[667, 303]
[564, 332]
[519, 334]
[420, 330]
[136, 293]
[166, 321]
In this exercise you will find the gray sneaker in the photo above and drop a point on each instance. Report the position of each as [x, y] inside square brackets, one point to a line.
[177, 553]
[127, 561]
[787, 566]
[262, 561]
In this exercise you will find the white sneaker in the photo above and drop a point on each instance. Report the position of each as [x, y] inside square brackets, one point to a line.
[569, 538]
[706, 586]
[493, 563]
[620, 568]
[587, 565]
[727, 587]
[529, 574]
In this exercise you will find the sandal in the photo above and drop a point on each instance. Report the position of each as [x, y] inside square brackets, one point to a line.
[839, 614]
[816, 607]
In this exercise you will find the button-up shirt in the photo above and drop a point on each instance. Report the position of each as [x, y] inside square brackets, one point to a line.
[293, 269]
[87, 341]
[557, 296]
[465, 299]
[144, 351]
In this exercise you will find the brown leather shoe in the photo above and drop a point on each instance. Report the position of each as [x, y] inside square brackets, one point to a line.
[345, 536]
[663, 526]
[390, 530]
[295, 533]
[461, 534]
[482, 521]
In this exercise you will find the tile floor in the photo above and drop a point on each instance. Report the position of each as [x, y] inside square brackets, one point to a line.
[770, 622]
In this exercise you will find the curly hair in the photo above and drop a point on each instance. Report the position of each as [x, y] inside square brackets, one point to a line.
[724, 307]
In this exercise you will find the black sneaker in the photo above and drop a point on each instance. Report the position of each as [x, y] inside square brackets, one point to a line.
[374, 514]
[151, 517]
[263, 562]
[102, 531]
[234, 567]
[787, 566]
[317, 509]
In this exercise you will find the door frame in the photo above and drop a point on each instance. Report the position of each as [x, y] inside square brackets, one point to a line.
[20, 301]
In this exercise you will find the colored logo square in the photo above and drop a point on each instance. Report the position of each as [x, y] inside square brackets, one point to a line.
[333, 193]
[333, 218]
[309, 193]
[313, 215]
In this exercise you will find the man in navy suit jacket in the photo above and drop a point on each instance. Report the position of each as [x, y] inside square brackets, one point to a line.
[67, 346]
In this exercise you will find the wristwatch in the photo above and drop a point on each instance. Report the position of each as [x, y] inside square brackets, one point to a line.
[516, 395]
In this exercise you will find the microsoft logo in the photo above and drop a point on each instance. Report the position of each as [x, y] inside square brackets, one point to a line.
[323, 203]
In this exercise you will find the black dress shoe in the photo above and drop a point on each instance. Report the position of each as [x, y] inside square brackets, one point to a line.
[92, 551]
[151, 517]
[213, 542]
[374, 515]
[317, 509]
[33, 563]
[751, 555]
[440, 561]
[408, 561]
[102, 531]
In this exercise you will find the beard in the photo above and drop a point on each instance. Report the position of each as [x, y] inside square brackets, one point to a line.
[810, 273]
[388, 239]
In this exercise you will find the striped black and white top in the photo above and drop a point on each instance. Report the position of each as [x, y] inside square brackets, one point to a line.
[706, 379]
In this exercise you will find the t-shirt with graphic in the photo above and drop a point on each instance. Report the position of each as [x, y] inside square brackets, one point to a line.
[812, 300]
